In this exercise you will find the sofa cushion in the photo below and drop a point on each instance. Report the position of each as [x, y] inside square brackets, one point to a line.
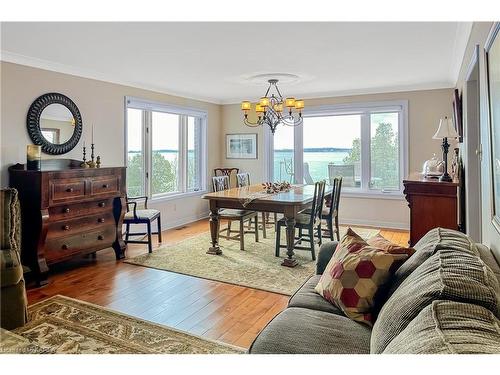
[298, 330]
[355, 274]
[307, 298]
[447, 275]
[448, 327]
[434, 240]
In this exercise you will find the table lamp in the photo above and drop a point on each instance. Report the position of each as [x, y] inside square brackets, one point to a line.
[445, 130]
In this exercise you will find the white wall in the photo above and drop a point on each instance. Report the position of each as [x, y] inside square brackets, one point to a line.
[479, 35]
[424, 111]
[101, 104]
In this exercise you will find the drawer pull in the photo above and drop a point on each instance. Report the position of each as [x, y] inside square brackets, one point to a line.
[66, 227]
[105, 186]
[100, 220]
[64, 247]
[69, 190]
[100, 237]
[66, 210]
[102, 204]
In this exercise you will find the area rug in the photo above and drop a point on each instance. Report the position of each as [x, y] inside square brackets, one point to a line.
[68, 326]
[255, 267]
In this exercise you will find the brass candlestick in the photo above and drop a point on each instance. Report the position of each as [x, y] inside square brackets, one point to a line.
[91, 163]
[84, 164]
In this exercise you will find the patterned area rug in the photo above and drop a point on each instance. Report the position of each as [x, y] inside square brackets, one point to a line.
[255, 267]
[64, 325]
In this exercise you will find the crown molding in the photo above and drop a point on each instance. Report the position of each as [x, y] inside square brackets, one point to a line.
[462, 36]
[33, 62]
[366, 91]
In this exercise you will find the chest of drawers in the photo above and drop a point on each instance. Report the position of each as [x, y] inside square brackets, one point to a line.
[432, 204]
[67, 211]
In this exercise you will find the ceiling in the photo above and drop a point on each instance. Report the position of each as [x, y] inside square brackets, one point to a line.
[215, 62]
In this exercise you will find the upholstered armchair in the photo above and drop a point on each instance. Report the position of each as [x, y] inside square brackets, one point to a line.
[13, 301]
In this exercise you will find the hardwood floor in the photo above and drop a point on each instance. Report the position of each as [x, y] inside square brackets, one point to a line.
[215, 310]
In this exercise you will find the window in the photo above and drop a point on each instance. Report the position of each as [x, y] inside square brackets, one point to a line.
[165, 147]
[364, 143]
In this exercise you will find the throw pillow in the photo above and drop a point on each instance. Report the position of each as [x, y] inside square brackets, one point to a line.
[354, 275]
[380, 242]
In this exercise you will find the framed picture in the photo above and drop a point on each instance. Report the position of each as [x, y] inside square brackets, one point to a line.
[493, 76]
[241, 146]
[457, 115]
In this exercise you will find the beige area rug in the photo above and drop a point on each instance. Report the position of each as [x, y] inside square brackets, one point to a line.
[64, 325]
[255, 267]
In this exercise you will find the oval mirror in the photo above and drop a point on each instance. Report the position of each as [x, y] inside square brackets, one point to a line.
[55, 123]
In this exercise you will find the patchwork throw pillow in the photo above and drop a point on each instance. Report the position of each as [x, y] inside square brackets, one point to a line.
[380, 242]
[354, 275]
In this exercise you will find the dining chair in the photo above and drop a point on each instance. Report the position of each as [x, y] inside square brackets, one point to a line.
[141, 216]
[243, 179]
[310, 222]
[229, 172]
[221, 183]
[330, 213]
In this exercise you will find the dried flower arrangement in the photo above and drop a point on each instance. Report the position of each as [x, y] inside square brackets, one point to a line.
[276, 187]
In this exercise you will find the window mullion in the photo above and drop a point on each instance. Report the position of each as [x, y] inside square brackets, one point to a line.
[183, 146]
[365, 151]
[298, 154]
[147, 147]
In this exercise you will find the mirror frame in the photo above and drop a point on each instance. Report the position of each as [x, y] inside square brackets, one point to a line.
[33, 123]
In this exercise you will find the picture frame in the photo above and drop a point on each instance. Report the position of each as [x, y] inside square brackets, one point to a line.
[241, 146]
[457, 115]
[492, 50]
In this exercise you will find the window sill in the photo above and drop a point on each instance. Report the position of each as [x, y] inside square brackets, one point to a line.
[175, 196]
[373, 195]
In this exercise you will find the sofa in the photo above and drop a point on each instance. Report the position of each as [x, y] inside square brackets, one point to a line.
[444, 299]
[13, 301]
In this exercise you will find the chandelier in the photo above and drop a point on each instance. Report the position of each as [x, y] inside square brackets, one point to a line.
[269, 109]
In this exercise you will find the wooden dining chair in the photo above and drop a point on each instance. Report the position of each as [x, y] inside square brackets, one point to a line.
[221, 183]
[229, 172]
[309, 223]
[330, 213]
[243, 179]
[145, 216]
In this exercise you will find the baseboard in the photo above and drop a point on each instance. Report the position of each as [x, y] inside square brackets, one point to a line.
[183, 221]
[377, 224]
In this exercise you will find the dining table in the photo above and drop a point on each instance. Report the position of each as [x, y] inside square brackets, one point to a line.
[255, 198]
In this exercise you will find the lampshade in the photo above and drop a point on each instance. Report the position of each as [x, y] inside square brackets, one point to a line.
[264, 101]
[259, 108]
[245, 105]
[299, 104]
[446, 129]
[290, 102]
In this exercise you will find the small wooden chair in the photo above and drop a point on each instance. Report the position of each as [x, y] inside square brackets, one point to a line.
[310, 222]
[221, 183]
[229, 172]
[243, 179]
[331, 213]
[141, 216]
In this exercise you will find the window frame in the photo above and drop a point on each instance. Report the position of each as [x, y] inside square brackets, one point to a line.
[365, 109]
[149, 106]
